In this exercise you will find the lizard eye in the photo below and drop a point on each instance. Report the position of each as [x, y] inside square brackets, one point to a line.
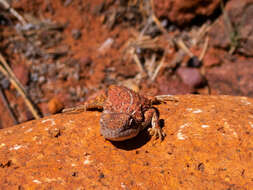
[130, 121]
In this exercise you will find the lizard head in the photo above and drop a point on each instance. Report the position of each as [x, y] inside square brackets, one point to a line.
[118, 126]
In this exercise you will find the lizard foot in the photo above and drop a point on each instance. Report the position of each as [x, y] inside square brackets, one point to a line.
[157, 132]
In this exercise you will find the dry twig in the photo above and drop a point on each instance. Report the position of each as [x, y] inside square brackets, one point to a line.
[182, 45]
[202, 55]
[6, 70]
[138, 63]
[13, 11]
[158, 69]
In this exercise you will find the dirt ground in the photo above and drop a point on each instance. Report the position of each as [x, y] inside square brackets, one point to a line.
[65, 51]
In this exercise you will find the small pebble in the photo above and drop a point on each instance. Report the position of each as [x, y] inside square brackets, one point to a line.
[76, 34]
[190, 76]
[42, 79]
[5, 83]
[55, 105]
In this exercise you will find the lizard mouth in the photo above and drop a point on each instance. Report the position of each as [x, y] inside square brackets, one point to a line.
[124, 136]
[118, 126]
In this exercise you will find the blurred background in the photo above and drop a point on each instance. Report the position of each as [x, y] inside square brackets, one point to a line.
[57, 53]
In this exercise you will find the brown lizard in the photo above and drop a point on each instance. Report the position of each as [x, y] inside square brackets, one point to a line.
[125, 113]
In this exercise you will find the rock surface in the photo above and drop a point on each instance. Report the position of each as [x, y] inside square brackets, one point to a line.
[235, 30]
[183, 12]
[233, 78]
[208, 146]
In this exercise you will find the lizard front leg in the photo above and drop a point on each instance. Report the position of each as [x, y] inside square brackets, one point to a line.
[94, 103]
[151, 116]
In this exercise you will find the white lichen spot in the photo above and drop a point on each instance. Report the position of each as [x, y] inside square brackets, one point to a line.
[180, 135]
[123, 185]
[73, 165]
[50, 180]
[227, 126]
[71, 121]
[235, 134]
[87, 160]
[16, 147]
[28, 130]
[184, 125]
[205, 126]
[2, 145]
[189, 109]
[50, 120]
[245, 101]
[251, 124]
[37, 181]
[194, 110]
[197, 111]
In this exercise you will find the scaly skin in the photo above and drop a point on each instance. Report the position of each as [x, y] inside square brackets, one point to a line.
[125, 113]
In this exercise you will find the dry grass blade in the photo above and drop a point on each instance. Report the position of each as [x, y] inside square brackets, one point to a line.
[198, 35]
[150, 65]
[204, 49]
[143, 42]
[10, 72]
[140, 42]
[15, 82]
[138, 63]
[182, 45]
[158, 69]
[12, 11]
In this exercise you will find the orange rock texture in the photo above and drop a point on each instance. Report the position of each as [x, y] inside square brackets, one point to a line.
[209, 145]
[182, 12]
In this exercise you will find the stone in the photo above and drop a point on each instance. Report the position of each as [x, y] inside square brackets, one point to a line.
[191, 76]
[22, 73]
[208, 144]
[213, 58]
[173, 85]
[232, 78]
[181, 12]
[55, 105]
[76, 34]
[240, 35]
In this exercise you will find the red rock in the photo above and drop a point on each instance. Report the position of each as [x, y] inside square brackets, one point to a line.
[232, 78]
[173, 85]
[22, 73]
[183, 12]
[55, 105]
[213, 58]
[44, 108]
[208, 144]
[240, 15]
[190, 76]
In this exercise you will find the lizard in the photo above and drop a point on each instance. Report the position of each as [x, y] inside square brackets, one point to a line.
[125, 113]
